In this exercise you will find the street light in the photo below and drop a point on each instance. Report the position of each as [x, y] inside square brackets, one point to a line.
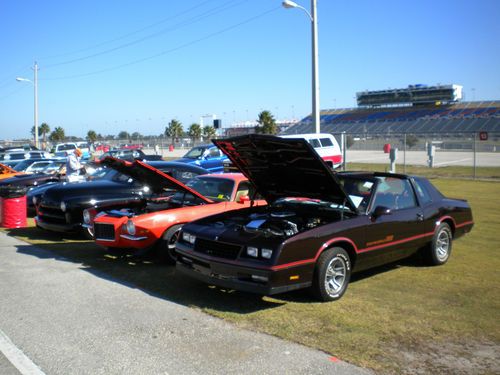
[315, 79]
[35, 85]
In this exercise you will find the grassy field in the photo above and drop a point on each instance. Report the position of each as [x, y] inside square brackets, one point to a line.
[402, 318]
[449, 171]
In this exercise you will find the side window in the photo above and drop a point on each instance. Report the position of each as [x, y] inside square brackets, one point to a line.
[214, 153]
[314, 142]
[423, 194]
[394, 193]
[326, 142]
[246, 188]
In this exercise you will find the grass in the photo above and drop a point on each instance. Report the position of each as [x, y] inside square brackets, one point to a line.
[387, 316]
[448, 172]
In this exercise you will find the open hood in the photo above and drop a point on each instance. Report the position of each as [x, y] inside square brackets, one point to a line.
[284, 167]
[155, 179]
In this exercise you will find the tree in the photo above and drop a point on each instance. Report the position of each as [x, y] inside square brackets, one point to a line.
[57, 135]
[123, 135]
[136, 135]
[44, 129]
[411, 140]
[209, 132]
[92, 136]
[267, 123]
[174, 129]
[195, 131]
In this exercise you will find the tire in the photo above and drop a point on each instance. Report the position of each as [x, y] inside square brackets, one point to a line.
[166, 246]
[439, 250]
[332, 274]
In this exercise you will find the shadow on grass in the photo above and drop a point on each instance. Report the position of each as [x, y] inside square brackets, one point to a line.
[144, 273]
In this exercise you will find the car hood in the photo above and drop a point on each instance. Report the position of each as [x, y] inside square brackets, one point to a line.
[21, 179]
[284, 167]
[187, 160]
[155, 179]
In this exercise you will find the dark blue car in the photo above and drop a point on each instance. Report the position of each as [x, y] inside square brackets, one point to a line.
[208, 157]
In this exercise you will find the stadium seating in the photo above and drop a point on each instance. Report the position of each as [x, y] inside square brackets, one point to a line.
[459, 117]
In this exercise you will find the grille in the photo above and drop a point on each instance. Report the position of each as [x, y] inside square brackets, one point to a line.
[51, 215]
[217, 249]
[104, 231]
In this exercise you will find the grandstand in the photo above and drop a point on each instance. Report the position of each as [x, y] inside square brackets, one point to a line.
[455, 117]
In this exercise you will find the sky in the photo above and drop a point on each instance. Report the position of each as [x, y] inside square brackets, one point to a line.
[132, 65]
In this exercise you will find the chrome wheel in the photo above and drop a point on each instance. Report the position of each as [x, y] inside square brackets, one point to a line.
[335, 276]
[443, 245]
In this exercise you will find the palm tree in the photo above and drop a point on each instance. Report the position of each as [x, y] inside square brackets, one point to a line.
[195, 131]
[209, 132]
[174, 129]
[123, 135]
[267, 123]
[91, 136]
[57, 135]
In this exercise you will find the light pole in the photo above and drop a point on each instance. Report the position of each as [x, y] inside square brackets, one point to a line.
[35, 85]
[315, 78]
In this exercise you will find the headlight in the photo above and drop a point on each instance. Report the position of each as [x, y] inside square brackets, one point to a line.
[131, 228]
[252, 251]
[188, 238]
[267, 253]
[63, 206]
[34, 200]
[86, 216]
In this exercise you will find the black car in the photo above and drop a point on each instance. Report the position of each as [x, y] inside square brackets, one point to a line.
[130, 155]
[61, 206]
[49, 173]
[319, 226]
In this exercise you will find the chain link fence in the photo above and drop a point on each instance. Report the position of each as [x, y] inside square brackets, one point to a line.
[472, 154]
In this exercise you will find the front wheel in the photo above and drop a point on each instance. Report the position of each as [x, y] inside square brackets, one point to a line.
[439, 250]
[166, 246]
[332, 274]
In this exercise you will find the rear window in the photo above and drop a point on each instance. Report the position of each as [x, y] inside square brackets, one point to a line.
[326, 142]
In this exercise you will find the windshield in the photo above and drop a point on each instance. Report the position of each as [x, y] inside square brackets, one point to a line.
[37, 166]
[358, 189]
[195, 153]
[21, 166]
[216, 189]
[54, 167]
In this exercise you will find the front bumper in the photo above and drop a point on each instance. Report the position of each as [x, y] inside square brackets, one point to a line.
[57, 227]
[263, 281]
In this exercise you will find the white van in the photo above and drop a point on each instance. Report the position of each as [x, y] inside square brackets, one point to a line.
[325, 145]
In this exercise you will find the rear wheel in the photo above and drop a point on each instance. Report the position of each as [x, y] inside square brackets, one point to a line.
[332, 274]
[439, 250]
[166, 246]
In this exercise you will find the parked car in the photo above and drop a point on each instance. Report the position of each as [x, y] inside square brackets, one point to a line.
[61, 206]
[51, 172]
[23, 155]
[208, 157]
[62, 150]
[325, 145]
[158, 221]
[319, 226]
[129, 155]
[7, 172]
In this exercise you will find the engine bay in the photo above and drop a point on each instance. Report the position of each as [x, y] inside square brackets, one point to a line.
[280, 220]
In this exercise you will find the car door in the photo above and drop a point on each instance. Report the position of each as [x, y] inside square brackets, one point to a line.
[393, 234]
[212, 160]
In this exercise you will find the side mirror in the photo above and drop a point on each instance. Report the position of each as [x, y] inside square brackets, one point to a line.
[381, 211]
[244, 198]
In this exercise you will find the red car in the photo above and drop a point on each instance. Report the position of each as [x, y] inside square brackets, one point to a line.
[158, 223]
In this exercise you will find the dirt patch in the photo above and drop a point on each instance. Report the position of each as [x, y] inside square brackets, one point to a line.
[465, 358]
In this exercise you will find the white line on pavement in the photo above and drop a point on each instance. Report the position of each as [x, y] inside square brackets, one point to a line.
[17, 357]
[451, 162]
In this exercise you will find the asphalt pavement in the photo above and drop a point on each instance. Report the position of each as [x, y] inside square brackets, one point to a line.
[58, 318]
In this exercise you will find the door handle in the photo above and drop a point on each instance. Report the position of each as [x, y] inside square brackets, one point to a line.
[420, 217]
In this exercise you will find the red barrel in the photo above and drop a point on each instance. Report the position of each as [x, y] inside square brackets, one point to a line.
[387, 148]
[171, 148]
[13, 212]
